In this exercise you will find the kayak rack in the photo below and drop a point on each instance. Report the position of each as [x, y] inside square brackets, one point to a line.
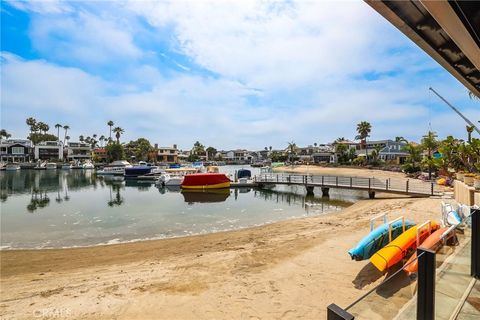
[427, 224]
[390, 226]
[372, 220]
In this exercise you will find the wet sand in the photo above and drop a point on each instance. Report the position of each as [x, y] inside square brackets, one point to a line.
[287, 270]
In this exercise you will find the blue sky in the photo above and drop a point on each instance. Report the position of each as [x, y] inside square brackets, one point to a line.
[231, 74]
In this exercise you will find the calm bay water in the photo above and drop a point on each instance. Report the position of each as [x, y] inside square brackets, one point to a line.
[65, 208]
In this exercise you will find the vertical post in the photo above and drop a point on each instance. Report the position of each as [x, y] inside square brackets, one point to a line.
[277, 177]
[406, 190]
[336, 181]
[369, 183]
[426, 284]
[432, 190]
[475, 265]
[351, 182]
[323, 180]
[386, 184]
[334, 312]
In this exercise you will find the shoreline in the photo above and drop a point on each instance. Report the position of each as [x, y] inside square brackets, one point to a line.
[287, 267]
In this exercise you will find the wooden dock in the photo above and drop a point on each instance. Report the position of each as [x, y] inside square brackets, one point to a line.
[372, 185]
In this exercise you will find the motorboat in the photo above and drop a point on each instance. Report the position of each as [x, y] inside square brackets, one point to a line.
[13, 166]
[137, 171]
[115, 168]
[206, 181]
[243, 175]
[40, 166]
[51, 166]
[67, 166]
[88, 165]
[169, 180]
[2, 166]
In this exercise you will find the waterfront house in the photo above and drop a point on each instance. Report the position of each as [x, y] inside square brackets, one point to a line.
[16, 150]
[238, 156]
[49, 150]
[387, 150]
[167, 154]
[78, 151]
[324, 153]
[100, 155]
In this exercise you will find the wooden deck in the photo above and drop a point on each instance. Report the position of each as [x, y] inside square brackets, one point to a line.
[399, 186]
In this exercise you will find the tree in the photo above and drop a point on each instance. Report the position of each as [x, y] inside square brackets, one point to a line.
[102, 139]
[4, 133]
[67, 138]
[429, 144]
[115, 151]
[341, 150]
[400, 139]
[292, 150]
[140, 149]
[414, 155]
[363, 129]
[315, 144]
[118, 132]
[198, 148]
[36, 137]
[469, 133]
[270, 148]
[66, 128]
[31, 122]
[110, 124]
[43, 127]
[211, 151]
[81, 138]
[58, 126]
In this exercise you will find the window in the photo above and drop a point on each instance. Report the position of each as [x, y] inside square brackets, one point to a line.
[18, 150]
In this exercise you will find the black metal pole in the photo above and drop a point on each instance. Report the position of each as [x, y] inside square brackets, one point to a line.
[475, 264]
[426, 284]
[334, 312]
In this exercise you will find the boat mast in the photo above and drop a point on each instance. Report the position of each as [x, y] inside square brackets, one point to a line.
[456, 110]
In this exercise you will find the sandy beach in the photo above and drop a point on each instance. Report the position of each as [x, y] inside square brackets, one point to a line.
[286, 270]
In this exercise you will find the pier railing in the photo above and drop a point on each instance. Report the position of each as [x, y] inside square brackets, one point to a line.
[441, 292]
[403, 186]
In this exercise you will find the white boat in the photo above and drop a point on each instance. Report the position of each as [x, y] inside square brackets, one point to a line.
[168, 180]
[2, 166]
[88, 165]
[51, 166]
[66, 166]
[12, 166]
[116, 168]
[40, 166]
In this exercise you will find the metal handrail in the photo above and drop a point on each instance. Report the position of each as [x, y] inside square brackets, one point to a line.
[383, 282]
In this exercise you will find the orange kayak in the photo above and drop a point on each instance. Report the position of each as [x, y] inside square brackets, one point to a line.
[396, 250]
[433, 242]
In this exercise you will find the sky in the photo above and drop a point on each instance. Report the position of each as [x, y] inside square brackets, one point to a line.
[230, 74]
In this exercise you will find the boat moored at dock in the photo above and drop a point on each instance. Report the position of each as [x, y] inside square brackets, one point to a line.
[206, 181]
[51, 166]
[14, 166]
[115, 168]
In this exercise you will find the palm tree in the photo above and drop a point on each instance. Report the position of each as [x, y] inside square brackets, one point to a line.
[81, 138]
[31, 122]
[292, 148]
[430, 143]
[363, 129]
[469, 132]
[414, 154]
[401, 139]
[58, 126]
[67, 138]
[4, 133]
[102, 139]
[270, 148]
[110, 124]
[118, 132]
[43, 127]
[66, 128]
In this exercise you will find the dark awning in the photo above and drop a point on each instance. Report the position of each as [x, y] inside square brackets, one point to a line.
[449, 31]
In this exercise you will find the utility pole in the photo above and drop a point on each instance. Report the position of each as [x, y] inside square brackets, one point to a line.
[470, 123]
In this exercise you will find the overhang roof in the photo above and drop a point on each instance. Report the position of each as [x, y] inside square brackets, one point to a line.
[449, 31]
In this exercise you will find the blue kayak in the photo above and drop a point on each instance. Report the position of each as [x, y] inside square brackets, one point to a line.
[377, 239]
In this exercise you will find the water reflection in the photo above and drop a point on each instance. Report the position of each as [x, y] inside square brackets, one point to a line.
[75, 208]
[210, 196]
